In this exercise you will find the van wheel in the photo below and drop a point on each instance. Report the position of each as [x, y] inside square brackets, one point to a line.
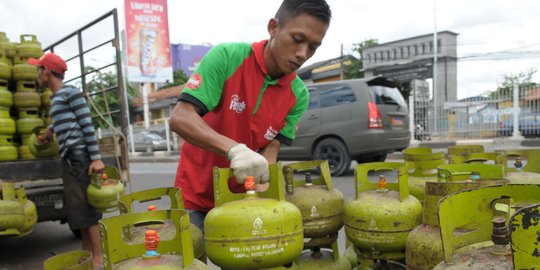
[336, 153]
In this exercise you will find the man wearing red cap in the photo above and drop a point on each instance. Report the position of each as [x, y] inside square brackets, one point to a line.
[72, 124]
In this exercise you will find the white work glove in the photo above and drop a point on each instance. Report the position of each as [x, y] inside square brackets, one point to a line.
[245, 162]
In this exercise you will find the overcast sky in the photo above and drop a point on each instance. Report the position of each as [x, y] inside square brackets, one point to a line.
[496, 37]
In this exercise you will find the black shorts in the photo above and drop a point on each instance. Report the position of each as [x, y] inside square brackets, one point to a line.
[76, 179]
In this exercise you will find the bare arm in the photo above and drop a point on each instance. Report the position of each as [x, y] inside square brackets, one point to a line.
[187, 123]
[270, 151]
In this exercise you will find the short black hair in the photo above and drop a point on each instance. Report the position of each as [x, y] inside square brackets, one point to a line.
[292, 8]
[57, 75]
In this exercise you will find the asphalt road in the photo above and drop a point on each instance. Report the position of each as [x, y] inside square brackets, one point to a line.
[50, 237]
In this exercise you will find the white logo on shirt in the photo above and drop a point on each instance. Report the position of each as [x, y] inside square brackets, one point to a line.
[237, 105]
[270, 133]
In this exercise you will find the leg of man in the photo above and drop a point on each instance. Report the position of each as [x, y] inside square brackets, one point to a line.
[80, 214]
[197, 218]
[92, 242]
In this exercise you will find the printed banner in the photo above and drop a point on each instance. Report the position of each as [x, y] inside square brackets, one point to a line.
[147, 39]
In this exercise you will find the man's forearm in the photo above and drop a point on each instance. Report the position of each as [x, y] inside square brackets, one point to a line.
[186, 122]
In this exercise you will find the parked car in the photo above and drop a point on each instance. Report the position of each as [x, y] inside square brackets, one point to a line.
[359, 119]
[148, 141]
[529, 126]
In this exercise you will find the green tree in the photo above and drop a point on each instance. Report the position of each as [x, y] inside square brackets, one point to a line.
[352, 64]
[179, 78]
[103, 99]
[523, 79]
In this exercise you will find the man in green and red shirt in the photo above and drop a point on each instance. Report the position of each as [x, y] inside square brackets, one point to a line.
[243, 101]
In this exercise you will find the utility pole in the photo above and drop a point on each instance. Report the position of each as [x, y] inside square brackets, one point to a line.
[341, 63]
[435, 95]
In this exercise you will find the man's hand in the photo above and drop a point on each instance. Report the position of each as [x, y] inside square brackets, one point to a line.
[48, 136]
[96, 166]
[245, 161]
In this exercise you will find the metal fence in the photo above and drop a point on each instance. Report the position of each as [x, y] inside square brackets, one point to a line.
[514, 112]
[156, 137]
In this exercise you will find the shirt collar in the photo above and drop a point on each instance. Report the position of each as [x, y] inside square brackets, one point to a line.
[258, 50]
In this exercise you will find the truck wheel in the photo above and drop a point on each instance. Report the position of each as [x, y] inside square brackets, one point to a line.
[336, 153]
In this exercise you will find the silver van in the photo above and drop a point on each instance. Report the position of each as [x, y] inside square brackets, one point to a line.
[359, 119]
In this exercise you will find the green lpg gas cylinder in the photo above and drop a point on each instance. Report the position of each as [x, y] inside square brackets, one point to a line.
[9, 48]
[8, 152]
[25, 126]
[522, 166]
[39, 147]
[166, 229]
[11, 211]
[424, 244]
[46, 97]
[524, 228]
[319, 202]
[422, 165]
[5, 67]
[26, 86]
[252, 230]
[495, 256]
[24, 153]
[381, 216]
[72, 260]
[7, 126]
[26, 99]
[29, 47]
[458, 152]
[470, 217]
[30, 212]
[6, 99]
[47, 120]
[155, 252]
[6, 140]
[105, 189]
[22, 71]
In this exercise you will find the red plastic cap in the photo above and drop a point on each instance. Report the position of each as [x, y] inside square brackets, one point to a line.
[150, 233]
[151, 207]
[382, 182]
[50, 61]
[249, 184]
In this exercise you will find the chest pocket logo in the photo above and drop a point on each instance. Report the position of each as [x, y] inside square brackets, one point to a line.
[236, 104]
[270, 133]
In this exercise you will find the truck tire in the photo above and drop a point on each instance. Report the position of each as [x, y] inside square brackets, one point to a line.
[336, 153]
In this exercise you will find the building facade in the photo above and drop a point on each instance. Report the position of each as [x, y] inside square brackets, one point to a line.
[412, 58]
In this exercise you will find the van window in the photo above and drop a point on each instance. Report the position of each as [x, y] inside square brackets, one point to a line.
[313, 99]
[333, 95]
[387, 95]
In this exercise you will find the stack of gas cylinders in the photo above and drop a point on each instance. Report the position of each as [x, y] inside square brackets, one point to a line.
[18, 215]
[23, 109]
[462, 209]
